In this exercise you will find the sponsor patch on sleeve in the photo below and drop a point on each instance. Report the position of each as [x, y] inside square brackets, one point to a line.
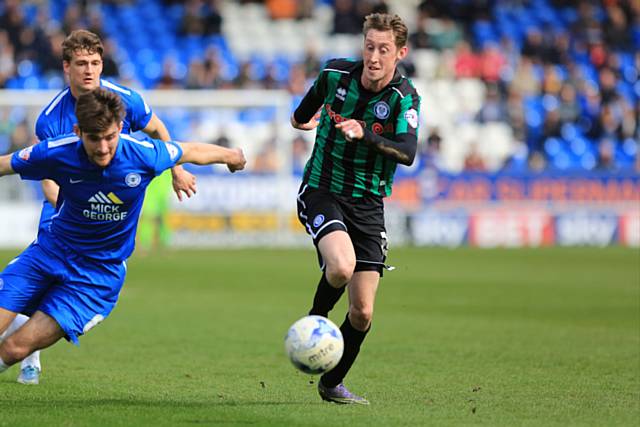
[25, 153]
[172, 149]
[411, 116]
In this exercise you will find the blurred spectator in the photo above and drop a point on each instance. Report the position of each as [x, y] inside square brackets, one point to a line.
[608, 81]
[551, 81]
[617, 34]
[213, 18]
[606, 155]
[266, 160]
[222, 139]
[524, 79]
[466, 61]
[419, 39]
[516, 115]
[491, 63]
[493, 109]
[430, 151]
[246, 77]
[345, 18]
[300, 154]
[168, 78]
[569, 109]
[297, 81]
[7, 64]
[311, 61]
[473, 161]
[51, 64]
[192, 21]
[20, 137]
[109, 65]
[270, 80]
[443, 33]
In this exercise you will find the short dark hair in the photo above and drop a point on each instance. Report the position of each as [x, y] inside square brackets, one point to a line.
[80, 40]
[387, 22]
[98, 109]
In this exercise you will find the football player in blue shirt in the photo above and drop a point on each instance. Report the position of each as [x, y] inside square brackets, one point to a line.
[69, 279]
[82, 62]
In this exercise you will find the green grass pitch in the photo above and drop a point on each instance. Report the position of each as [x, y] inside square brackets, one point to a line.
[460, 337]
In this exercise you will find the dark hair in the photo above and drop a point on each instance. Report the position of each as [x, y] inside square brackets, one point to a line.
[387, 22]
[98, 109]
[80, 40]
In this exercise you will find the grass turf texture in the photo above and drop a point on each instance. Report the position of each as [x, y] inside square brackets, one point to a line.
[493, 337]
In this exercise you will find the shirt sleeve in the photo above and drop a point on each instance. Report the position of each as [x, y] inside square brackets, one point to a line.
[139, 112]
[32, 163]
[43, 128]
[167, 154]
[407, 121]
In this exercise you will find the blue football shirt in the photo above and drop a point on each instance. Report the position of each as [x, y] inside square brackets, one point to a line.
[101, 206]
[59, 116]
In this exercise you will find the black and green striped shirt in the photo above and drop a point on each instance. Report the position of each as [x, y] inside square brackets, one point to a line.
[355, 168]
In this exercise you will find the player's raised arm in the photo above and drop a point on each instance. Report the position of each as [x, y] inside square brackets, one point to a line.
[205, 154]
[5, 165]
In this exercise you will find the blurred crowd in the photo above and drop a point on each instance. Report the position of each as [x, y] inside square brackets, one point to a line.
[557, 78]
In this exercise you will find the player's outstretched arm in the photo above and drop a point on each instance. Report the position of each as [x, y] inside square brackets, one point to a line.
[206, 154]
[183, 181]
[5, 165]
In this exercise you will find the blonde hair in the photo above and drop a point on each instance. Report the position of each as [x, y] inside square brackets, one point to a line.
[387, 22]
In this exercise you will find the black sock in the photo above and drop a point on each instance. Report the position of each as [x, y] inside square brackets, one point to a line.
[352, 340]
[325, 298]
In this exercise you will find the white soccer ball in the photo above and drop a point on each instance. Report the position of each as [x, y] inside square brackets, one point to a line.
[314, 344]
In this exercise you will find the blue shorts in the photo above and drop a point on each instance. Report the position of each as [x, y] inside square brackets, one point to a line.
[76, 291]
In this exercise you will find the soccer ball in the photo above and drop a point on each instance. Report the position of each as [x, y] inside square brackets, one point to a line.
[314, 344]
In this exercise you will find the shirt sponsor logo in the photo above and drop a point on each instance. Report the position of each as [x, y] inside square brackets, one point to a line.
[133, 179]
[318, 220]
[337, 118]
[105, 208]
[411, 116]
[381, 110]
[25, 153]
[341, 93]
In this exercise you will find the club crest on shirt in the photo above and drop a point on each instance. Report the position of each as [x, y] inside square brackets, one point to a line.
[341, 93]
[133, 179]
[25, 153]
[318, 220]
[381, 110]
[411, 116]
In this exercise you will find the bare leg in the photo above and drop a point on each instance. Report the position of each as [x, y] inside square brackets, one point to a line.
[40, 331]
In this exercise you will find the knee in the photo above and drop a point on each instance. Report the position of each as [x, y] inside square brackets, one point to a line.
[361, 317]
[339, 273]
[14, 350]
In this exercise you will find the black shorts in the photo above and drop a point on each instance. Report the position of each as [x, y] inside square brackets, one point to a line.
[322, 212]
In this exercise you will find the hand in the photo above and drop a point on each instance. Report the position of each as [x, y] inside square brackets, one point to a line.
[236, 160]
[351, 130]
[313, 123]
[183, 181]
